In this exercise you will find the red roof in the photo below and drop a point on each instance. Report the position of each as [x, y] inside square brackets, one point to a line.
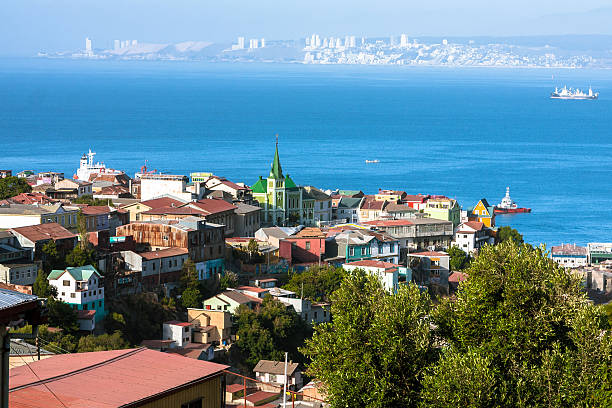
[371, 204]
[370, 263]
[174, 211]
[388, 223]
[96, 209]
[162, 202]
[457, 277]
[164, 253]
[429, 253]
[252, 289]
[85, 314]
[418, 198]
[32, 198]
[260, 396]
[42, 232]
[474, 225]
[232, 388]
[177, 323]
[105, 379]
[213, 205]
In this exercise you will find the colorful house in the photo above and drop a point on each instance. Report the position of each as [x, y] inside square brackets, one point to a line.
[81, 287]
[282, 201]
[482, 212]
[443, 208]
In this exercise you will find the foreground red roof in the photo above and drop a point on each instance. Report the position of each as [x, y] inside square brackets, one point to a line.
[104, 379]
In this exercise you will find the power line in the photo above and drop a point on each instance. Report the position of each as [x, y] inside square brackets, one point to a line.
[36, 375]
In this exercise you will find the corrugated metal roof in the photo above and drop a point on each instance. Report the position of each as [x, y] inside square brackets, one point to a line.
[10, 298]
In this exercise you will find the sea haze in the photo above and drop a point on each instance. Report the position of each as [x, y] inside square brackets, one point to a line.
[466, 133]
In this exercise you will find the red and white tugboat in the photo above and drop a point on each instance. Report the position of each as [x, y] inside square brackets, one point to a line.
[507, 206]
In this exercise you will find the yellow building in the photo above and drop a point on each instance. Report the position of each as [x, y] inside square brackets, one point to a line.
[118, 378]
[483, 212]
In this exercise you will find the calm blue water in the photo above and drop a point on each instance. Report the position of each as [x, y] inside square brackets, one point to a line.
[465, 133]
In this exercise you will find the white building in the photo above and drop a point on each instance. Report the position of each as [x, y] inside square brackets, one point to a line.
[158, 185]
[404, 40]
[81, 287]
[253, 43]
[157, 267]
[116, 45]
[179, 332]
[241, 43]
[470, 236]
[263, 43]
[88, 45]
[274, 372]
[387, 272]
[570, 255]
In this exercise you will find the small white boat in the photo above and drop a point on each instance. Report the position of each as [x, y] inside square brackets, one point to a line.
[373, 161]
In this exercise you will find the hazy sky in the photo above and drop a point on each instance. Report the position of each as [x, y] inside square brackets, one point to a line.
[32, 25]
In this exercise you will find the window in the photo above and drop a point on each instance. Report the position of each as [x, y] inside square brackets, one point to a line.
[307, 245]
[72, 295]
[186, 329]
[193, 404]
[100, 303]
[66, 283]
[351, 251]
[85, 306]
[363, 251]
[99, 291]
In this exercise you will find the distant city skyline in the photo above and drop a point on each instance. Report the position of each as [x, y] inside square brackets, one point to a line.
[33, 25]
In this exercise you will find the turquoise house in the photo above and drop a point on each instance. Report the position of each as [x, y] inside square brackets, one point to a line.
[82, 287]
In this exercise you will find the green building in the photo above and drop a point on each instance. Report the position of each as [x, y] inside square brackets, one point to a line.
[283, 202]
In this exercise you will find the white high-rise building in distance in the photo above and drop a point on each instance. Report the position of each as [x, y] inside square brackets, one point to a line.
[263, 43]
[134, 43]
[353, 41]
[117, 45]
[445, 42]
[241, 43]
[347, 42]
[88, 45]
[338, 42]
[404, 40]
[253, 43]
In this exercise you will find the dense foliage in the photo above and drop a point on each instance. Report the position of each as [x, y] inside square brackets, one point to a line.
[507, 233]
[88, 199]
[12, 186]
[80, 256]
[41, 286]
[228, 280]
[520, 333]
[138, 317]
[269, 331]
[316, 283]
[103, 342]
[458, 258]
[375, 351]
[61, 315]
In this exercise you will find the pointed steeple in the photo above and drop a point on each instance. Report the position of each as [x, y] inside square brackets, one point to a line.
[276, 172]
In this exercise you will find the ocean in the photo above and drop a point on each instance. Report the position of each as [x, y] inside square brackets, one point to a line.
[463, 132]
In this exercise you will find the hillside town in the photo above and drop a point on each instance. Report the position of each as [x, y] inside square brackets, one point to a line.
[182, 265]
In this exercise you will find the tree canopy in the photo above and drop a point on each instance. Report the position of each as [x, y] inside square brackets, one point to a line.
[316, 282]
[458, 258]
[507, 233]
[88, 199]
[376, 349]
[270, 331]
[522, 324]
[12, 186]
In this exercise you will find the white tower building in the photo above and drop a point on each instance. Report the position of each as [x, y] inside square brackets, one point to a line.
[241, 43]
[117, 45]
[404, 40]
[353, 41]
[263, 43]
[87, 45]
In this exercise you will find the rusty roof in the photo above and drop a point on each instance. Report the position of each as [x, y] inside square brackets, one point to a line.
[212, 205]
[163, 202]
[275, 367]
[96, 210]
[164, 253]
[42, 232]
[105, 379]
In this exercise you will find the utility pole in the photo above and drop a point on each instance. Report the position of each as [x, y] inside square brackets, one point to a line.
[285, 386]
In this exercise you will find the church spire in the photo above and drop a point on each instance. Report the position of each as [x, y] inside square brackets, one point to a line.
[276, 172]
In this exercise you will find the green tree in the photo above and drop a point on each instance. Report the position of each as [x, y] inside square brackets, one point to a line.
[270, 331]
[81, 256]
[375, 351]
[191, 295]
[88, 199]
[82, 229]
[608, 311]
[524, 324]
[41, 286]
[228, 280]
[12, 186]
[103, 342]
[317, 282]
[114, 322]
[62, 315]
[458, 258]
[52, 259]
[507, 233]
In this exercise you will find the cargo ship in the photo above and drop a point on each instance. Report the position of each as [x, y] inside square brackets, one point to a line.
[570, 93]
[507, 206]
